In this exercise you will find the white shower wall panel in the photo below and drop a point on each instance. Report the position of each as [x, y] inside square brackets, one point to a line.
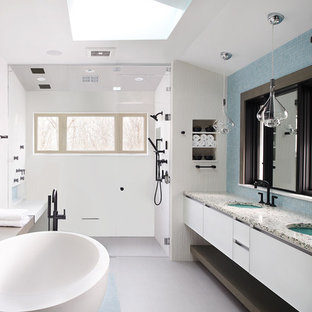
[89, 185]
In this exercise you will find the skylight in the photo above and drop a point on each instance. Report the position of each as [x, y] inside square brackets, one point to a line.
[124, 19]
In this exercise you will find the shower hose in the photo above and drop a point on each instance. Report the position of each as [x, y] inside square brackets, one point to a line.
[158, 189]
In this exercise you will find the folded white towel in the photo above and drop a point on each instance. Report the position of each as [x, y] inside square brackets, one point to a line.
[212, 144]
[15, 223]
[12, 214]
[210, 138]
[203, 137]
[196, 137]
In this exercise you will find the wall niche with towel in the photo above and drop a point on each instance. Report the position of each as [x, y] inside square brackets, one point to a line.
[204, 140]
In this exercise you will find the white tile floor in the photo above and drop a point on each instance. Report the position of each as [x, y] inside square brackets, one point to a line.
[132, 246]
[149, 282]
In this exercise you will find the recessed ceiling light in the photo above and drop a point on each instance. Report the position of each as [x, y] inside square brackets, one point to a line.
[41, 79]
[116, 88]
[123, 19]
[90, 71]
[54, 52]
[138, 79]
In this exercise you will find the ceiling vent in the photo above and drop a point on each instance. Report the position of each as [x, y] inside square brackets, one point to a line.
[37, 70]
[92, 79]
[100, 52]
[44, 86]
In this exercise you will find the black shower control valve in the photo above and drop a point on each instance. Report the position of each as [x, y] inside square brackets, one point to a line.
[15, 157]
[182, 132]
[122, 188]
[163, 161]
[168, 117]
[22, 146]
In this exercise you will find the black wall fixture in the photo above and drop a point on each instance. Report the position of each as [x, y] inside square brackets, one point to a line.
[206, 167]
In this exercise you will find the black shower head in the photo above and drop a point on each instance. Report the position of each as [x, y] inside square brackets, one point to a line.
[155, 116]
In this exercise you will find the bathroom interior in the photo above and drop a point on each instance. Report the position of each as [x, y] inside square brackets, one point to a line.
[156, 168]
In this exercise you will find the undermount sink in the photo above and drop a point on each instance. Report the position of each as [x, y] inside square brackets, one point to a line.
[244, 205]
[303, 228]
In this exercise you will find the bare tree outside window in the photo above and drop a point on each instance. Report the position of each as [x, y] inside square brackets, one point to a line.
[133, 133]
[91, 133]
[47, 133]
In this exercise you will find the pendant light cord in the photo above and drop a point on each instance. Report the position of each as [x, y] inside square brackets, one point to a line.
[272, 51]
[224, 100]
[223, 90]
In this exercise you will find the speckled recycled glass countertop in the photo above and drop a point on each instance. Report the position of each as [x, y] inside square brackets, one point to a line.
[272, 220]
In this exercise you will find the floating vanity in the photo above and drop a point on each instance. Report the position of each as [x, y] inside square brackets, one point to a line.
[258, 245]
[36, 210]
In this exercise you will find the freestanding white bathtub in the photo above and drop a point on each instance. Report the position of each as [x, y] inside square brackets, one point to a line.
[52, 272]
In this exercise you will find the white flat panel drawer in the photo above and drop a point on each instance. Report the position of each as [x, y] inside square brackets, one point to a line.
[241, 255]
[218, 230]
[241, 232]
[193, 215]
[284, 269]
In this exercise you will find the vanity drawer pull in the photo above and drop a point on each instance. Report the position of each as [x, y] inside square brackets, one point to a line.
[240, 244]
[90, 218]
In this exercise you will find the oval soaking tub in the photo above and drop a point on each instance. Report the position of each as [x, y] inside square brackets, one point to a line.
[52, 272]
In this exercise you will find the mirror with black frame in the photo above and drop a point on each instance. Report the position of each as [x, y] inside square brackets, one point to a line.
[282, 155]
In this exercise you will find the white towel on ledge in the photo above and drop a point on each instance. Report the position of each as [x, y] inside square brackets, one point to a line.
[15, 223]
[12, 214]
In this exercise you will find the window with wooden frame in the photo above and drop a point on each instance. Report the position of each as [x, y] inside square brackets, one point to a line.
[100, 133]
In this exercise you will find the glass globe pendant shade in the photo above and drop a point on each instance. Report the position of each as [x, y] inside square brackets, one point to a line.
[272, 112]
[225, 124]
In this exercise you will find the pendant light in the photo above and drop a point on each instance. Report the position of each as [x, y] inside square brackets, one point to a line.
[225, 124]
[272, 112]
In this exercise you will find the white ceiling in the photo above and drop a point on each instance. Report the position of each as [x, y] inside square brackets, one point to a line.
[70, 77]
[29, 28]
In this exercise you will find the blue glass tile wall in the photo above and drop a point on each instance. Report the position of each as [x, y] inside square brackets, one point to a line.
[292, 56]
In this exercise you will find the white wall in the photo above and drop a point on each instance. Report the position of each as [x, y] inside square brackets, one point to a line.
[4, 130]
[17, 135]
[89, 185]
[162, 211]
[196, 94]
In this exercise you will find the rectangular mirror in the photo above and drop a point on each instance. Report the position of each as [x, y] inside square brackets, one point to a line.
[280, 155]
[285, 146]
